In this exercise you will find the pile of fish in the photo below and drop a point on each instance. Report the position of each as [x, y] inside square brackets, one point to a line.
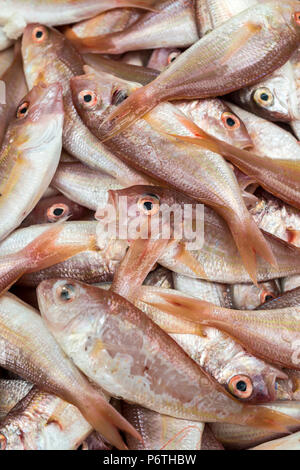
[149, 342]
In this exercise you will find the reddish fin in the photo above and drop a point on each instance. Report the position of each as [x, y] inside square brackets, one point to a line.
[94, 44]
[186, 258]
[265, 418]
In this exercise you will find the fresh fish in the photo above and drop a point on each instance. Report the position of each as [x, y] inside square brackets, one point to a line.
[162, 57]
[250, 46]
[209, 442]
[272, 335]
[11, 392]
[16, 14]
[175, 16]
[268, 139]
[133, 73]
[6, 59]
[42, 421]
[52, 58]
[91, 264]
[206, 178]
[290, 282]
[94, 442]
[83, 185]
[217, 119]
[295, 61]
[117, 345]
[160, 277]
[249, 296]
[54, 209]
[5, 42]
[15, 90]
[107, 22]
[30, 154]
[29, 350]
[290, 298]
[291, 442]
[237, 437]
[243, 375]
[161, 432]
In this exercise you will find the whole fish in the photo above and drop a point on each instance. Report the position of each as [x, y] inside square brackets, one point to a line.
[133, 73]
[249, 296]
[237, 437]
[41, 421]
[268, 139]
[30, 154]
[175, 16]
[162, 57]
[250, 46]
[161, 432]
[272, 335]
[118, 346]
[204, 176]
[52, 58]
[107, 22]
[6, 59]
[29, 350]
[83, 185]
[89, 263]
[15, 90]
[16, 14]
[11, 392]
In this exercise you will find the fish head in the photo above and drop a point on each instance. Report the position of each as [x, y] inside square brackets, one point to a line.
[146, 211]
[48, 56]
[95, 95]
[250, 296]
[251, 380]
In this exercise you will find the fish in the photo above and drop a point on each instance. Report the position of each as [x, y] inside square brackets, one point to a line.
[30, 154]
[217, 119]
[251, 46]
[162, 57]
[11, 392]
[42, 421]
[162, 432]
[134, 73]
[175, 16]
[107, 22]
[209, 442]
[5, 42]
[16, 14]
[268, 139]
[291, 442]
[290, 282]
[119, 347]
[290, 298]
[15, 90]
[249, 296]
[295, 62]
[29, 350]
[6, 59]
[161, 152]
[244, 376]
[272, 335]
[89, 262]
[59, 63]
[84, 185]
[235, 437]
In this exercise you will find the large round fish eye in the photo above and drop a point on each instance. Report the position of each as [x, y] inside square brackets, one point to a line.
[22, 110]
[88, 98]
[240, 386]
[263, 97]
[297, 17]
[3, 442]
[57, 211]
[230, 121]
[66, 292]
[149, 204]
[266, 296]
[173, 56]
[39, 34]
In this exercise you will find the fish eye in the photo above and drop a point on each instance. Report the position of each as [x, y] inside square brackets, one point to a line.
[297, 17]
[39, 34]
[3, 442]
[266, 296]
[230, 121]
[173, 56]
[263, 97]
[57, 211]
[118, 96]
[149, 204]
[88, 98]
[66, 293]
[240, 386]
[22, 110]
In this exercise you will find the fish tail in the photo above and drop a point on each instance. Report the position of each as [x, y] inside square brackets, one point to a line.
[102, 44]
[143, 4]
[46, 250]
[250, 242]
[106, 419]
[266, 418]
[140, 102]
